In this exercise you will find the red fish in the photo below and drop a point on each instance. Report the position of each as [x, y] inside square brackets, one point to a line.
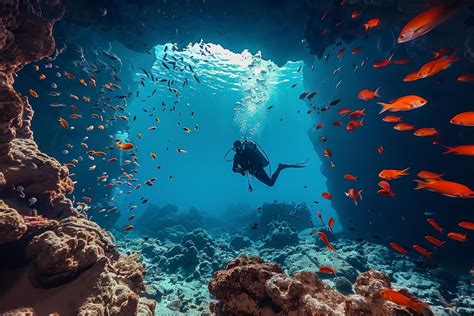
[350, 177]
[327, 270]
[318, 213]
[341, 52]
[435, 241]
[327, 153]
[403, 300]
[466, 225]
[326, 195]
[466, 78]
[383, 63]
[398, 248]
[356, 50]
[422, 251]
[367, 94]
[435, 225]
[330, 224]
[353, 125]
[344, 111]
[325, 239]
[457, 236]
[380, 150]
[357, 113]
[354, 194]
[372, 23]
[386, 189]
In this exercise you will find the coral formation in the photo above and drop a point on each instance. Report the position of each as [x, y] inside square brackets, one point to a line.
[74, 254]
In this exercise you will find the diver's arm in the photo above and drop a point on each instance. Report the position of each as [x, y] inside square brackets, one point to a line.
[235, 166]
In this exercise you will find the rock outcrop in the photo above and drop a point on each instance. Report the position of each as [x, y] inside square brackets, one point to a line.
[39, 228]
[249, 286]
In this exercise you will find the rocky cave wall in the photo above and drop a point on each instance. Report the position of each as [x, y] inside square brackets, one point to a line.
[48, 252]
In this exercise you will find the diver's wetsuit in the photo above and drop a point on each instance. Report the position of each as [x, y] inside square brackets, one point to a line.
[247, 159]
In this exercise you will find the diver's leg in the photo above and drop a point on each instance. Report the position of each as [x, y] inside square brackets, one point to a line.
[263, 177]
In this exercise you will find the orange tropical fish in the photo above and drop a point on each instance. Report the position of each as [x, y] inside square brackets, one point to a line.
[383, 62]
[465, 150]
[385, 189]
[341, 52]
[392, 119]
[126, 146]
[435, 241]
[355, 14]
[33, 93]
[356, 50]
[42, 77]
[319, 126]
[435, 225]
[466, 225]
[403, 127]
[422, 251]
[446, 188]
[436, 66]
[398, 248]
[429, 175]
[403, 300]
[367, 94]
[392, 174]
[405, 103]
[128, 227]
[466, 78]
[413, 76]
[63, 123]
[372, 23]
[426, 131]
[327, 153]
[326, 195]
[325, 239]
[75, 116]
[354, 194]
[401, 61]
[327, 270]
[427, 21]
[457, 236]
[357, 113]
[69, 75]
[354, 124]
[350, 177]
[330, 224]
[463, 119]
[344, 111]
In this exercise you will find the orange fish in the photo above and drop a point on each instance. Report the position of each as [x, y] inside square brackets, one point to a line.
[318, 214]
[398, 248]
[327, 270]
[405, 103]
[435, 225]
[126, 146]
[63, 123]
[427, 21]
[411, 77]
[436, 66]
[466, 78]
[357, 113]
[392, 119]
[319, 126]
[325, 239]
[443, 51]
[403, 127]
[338, 123]
[354, 194]
[69, 75]
[355, 14]
[350, 177]
[380, 150]
[42, 77]
[401, 61]
[403, 300]
[341, 52]
[372, 23]
[422, 251]
[426, 131]
[327, 153]
[367, 94]
[353, 125]
[326, 195]
[435, 241]
[386, 189]
[75, 116]
[466, 225]
[344, 111]
[356, 50]
[383, 62]
[392, 174]
[446, 188]
[33, 93]
[463, 119]
[330, 224]
[457, 236]
[429, 175]
[465, 150]
[128, 227]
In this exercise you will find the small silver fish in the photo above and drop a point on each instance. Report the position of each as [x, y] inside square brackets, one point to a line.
[32, 201]
[57, 105]
[54, 86]
[54, 93]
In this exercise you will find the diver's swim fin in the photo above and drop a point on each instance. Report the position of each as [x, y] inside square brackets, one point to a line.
[296, 165]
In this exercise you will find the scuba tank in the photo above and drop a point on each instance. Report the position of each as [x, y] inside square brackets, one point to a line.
[261, 159]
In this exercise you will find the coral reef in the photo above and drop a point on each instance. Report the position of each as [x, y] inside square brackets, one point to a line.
[249, 286]
[44, 254]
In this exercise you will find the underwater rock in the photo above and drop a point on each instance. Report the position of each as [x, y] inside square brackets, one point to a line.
[343, 285]
[297, 216]
[239, 242]
[12, 225]
[280, 237]
[249, 286]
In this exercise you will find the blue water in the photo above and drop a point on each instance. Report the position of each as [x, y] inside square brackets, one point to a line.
[230, 102]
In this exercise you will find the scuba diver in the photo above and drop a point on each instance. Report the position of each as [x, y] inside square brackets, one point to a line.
[250, 159]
